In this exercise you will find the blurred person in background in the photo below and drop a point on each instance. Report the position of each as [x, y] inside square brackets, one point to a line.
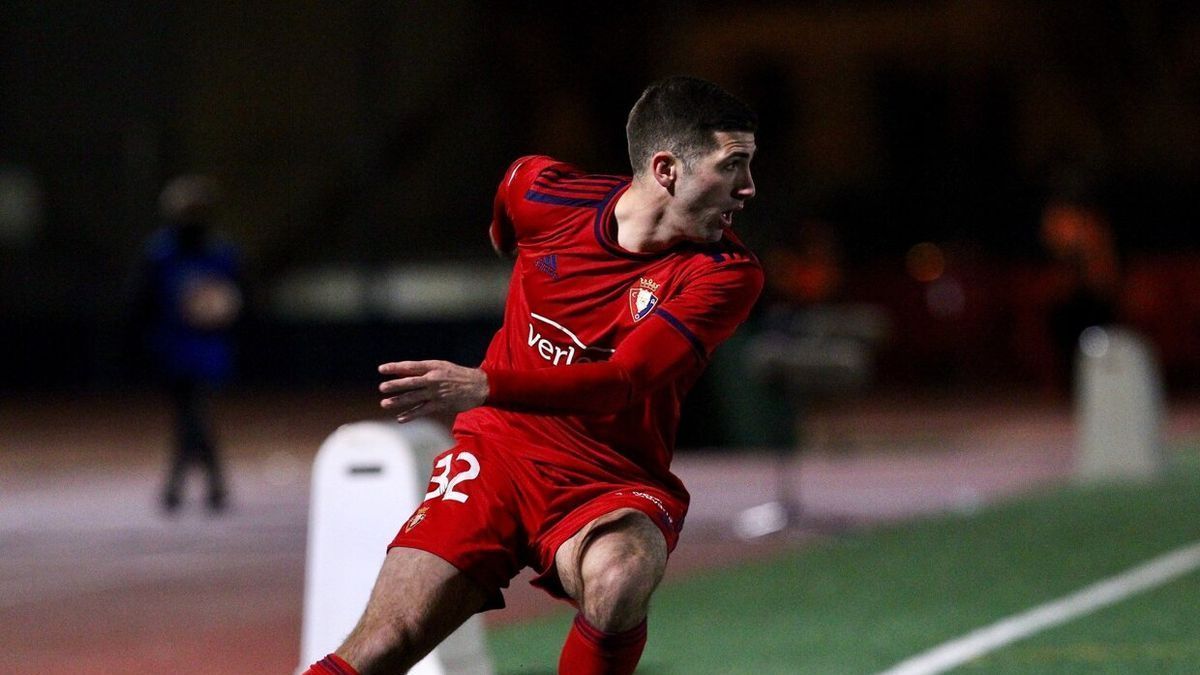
[621, 290]
[188, 297]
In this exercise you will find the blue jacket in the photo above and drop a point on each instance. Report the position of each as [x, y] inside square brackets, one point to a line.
[170, 275]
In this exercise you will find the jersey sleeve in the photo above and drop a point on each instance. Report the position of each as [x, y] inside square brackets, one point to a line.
[652, 356]
[711, 307]
[507, 229]
[657, 352]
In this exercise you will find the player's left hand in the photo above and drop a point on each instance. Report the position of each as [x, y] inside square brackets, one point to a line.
[425, 388]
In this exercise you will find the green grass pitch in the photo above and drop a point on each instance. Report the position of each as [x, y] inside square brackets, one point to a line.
[863, 602]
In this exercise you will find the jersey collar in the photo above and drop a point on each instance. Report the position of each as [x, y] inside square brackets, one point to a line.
[606, 227]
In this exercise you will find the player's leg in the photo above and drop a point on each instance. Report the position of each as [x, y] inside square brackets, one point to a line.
[417, 601]
[610, 568]
[447, 562]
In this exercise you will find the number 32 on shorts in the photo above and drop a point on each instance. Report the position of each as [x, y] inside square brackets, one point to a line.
[446, 483]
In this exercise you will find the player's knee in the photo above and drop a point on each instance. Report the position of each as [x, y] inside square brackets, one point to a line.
[619, 575]
[617, 594]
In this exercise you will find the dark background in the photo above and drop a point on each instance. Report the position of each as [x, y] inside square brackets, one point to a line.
[370, 135]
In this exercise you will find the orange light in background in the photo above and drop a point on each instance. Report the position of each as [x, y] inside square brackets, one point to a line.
[808, 277]
[1067, 228]
[925, 262]
[1080, 235]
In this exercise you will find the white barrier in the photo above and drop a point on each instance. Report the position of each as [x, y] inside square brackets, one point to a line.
[1118, 406]
[368, 478]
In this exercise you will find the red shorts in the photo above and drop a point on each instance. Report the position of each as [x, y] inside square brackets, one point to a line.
[491, 512]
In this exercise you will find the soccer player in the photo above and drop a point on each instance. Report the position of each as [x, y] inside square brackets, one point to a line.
[621, 289]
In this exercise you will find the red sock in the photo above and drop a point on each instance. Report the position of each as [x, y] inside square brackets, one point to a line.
[331, 665]
[591, 651]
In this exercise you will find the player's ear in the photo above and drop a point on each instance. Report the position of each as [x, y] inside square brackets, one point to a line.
[664, 166]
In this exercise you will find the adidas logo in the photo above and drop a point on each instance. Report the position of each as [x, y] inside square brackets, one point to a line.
[548, 264]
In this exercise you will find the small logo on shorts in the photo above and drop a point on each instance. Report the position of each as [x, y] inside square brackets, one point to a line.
[663, 513]
[416, 519]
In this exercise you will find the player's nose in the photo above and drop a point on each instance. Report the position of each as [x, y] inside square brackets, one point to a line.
[744, 188]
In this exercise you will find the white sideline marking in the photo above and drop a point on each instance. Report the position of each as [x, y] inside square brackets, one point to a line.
[1101, 594]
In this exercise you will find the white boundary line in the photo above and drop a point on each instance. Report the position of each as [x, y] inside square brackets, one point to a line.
[1101, 594]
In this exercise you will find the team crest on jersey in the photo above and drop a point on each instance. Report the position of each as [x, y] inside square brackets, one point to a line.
[643, 298]
[416, 519]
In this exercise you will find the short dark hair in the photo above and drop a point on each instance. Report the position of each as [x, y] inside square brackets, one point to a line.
[680, 115]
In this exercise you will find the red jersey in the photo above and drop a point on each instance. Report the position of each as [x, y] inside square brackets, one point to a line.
[576, 297]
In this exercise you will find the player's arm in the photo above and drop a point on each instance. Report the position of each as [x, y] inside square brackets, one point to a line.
[650, 357]
[663, 348]
[681, 332]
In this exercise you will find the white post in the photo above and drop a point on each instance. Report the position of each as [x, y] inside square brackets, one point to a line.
[1119, 406]
[368, 478]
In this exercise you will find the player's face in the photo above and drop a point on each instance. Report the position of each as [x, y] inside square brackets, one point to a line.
[715, 187]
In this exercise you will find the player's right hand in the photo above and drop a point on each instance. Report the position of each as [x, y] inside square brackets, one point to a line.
[425, 388]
